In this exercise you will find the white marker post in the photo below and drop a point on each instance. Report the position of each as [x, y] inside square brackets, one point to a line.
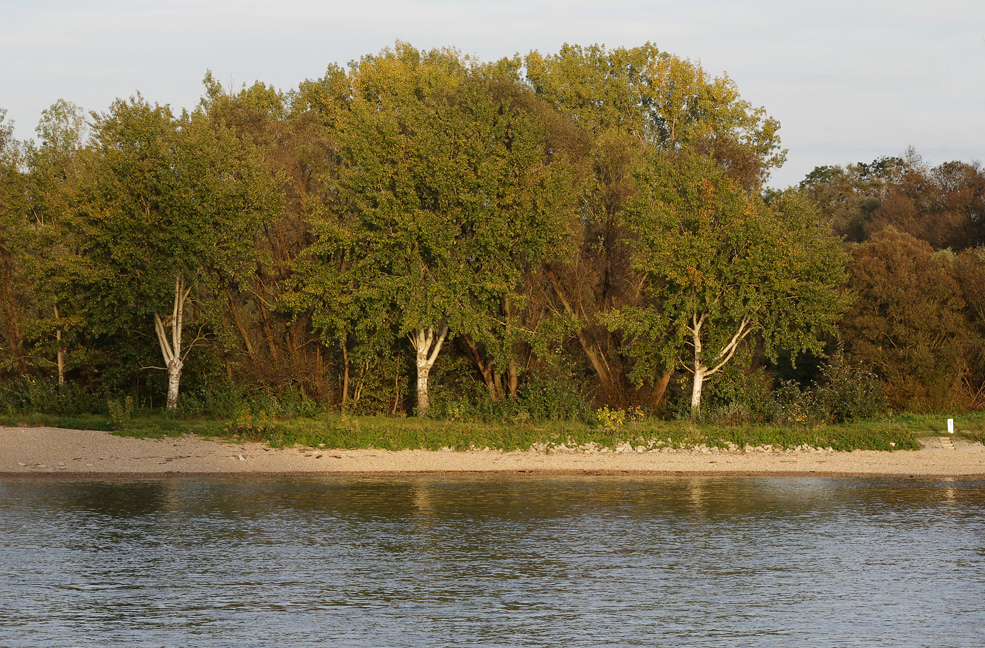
[950, 426]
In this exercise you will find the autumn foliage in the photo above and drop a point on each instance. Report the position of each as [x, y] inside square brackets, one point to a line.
[541, 236]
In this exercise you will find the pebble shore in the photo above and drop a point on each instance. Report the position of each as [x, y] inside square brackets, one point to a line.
[39, 451]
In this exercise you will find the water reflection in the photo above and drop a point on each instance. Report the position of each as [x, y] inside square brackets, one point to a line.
[454, 561]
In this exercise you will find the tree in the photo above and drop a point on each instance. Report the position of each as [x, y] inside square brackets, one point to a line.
[53, 183]
[907, 322]
[970, 275]
[446, 191]
[169, 206]
[718, 265]
[663, 100]
[943, 205]
[635, 102]
[12, 195]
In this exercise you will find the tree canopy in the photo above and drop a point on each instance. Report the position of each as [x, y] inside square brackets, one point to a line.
[538, 236]
[719, 265]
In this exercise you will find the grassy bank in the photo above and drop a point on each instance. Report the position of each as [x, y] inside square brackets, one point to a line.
[335, 431]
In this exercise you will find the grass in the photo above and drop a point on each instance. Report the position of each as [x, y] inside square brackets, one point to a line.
[899, 432]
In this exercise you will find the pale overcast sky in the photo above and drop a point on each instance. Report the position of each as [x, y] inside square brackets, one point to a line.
[849, 80]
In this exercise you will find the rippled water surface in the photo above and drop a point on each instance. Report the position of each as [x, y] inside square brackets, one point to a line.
[492, 561]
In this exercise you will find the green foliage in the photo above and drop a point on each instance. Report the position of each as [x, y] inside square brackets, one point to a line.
[742, 393]
[120, 413]
[601, 214]
[847, 392]
[614, 419]
[223, 399]
[661, 99]
[843, 393]
[156, 203]
[446, 192]
[538, 400]
[554, 399]
[28, 395]
[720, 265]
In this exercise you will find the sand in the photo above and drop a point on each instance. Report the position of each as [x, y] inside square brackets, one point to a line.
[28, 451]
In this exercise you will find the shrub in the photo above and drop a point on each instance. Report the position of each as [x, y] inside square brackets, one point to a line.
[846, 392]
[843, 392]
[120, 413]
[29, 395]
[537, 400]
[551, 399]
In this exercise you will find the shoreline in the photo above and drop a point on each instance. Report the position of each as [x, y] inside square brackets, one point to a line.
[56, 452]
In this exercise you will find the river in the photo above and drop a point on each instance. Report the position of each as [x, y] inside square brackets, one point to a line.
[492, 561]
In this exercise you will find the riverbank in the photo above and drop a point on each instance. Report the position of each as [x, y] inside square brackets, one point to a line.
[54, 451]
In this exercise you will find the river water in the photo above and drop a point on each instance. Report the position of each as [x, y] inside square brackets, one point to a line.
[492, 561]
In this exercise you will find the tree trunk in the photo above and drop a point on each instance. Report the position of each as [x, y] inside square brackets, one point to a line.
[702, 370]
[60, 356]
[171, 348]
[267, 330]
[174, 378]
[659, 389]
[423, 399]
[426, 346]
[699, 379]
[512, 379]
[485, 368]
[234, 311]
[345, 376]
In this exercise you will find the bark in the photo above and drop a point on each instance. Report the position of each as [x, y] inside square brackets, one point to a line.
[591, 349]
[61, 351]
[345, 376]
[659, 389]
[171, 345]
[267, 329]
[512, 379]
[426, 346]
[702, 370]
[485, 368]
[234, 311]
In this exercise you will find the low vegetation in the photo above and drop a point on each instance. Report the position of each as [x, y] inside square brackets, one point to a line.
[516, 425]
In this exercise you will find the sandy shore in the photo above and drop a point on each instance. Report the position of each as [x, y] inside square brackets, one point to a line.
[51, 451]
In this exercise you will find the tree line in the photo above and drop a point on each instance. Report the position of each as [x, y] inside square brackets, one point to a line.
[425, 232]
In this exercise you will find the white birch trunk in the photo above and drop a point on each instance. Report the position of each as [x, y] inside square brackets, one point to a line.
[426, 347]
[699, 368]
[702, 370]
[699, 380]
[171, 344]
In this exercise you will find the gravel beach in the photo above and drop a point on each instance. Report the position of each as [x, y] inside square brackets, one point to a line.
[52, 451]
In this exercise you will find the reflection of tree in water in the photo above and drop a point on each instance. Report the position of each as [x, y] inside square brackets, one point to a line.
[120, 499]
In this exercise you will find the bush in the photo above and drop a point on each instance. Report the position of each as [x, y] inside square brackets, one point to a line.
[552, 399]
[221, 398]
[842, 393]
[29, 395]
[846, 392]
[537, 400]
[120, 413]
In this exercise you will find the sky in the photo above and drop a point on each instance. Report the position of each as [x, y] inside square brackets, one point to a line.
[848, 80]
